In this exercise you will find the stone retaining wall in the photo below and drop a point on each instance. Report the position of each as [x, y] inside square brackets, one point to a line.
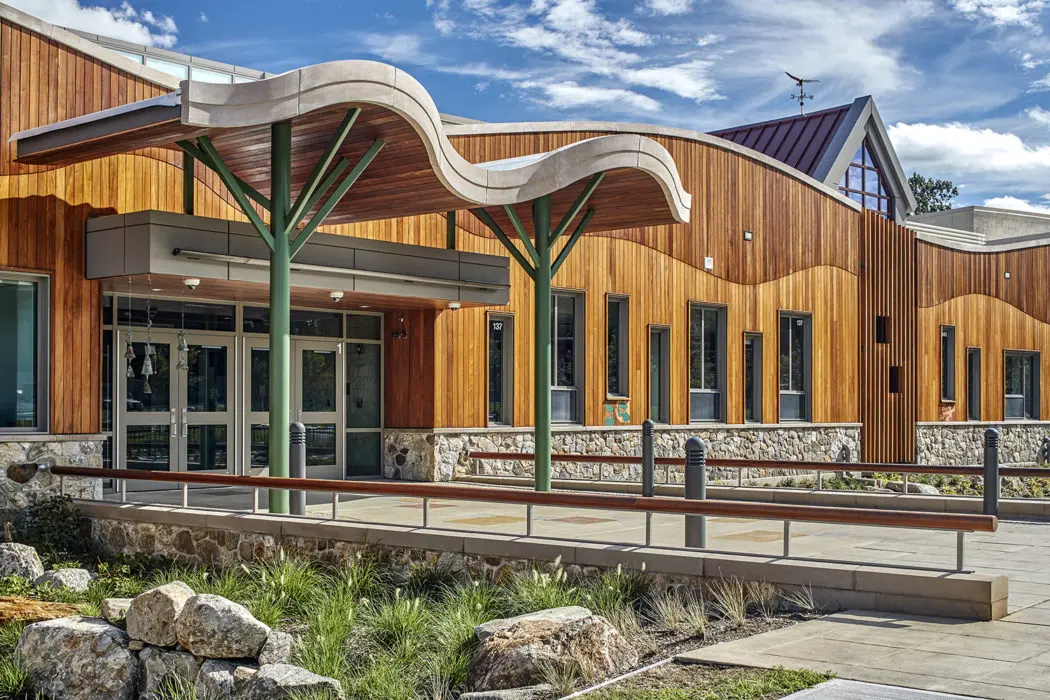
[65, 450]
[962, 443]
[440, 455]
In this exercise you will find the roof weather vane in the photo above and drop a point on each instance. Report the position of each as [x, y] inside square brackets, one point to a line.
[802, 95]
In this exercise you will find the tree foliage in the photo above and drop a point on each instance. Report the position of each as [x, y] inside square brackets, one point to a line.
[932, 194]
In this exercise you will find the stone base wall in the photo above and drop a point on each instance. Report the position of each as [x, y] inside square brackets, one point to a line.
[63, 450]
[440, 455]
[962, 443]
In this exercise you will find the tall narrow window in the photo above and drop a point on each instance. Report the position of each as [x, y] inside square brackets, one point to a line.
[753, 377]
[501, 367]
[616, 347]
[23, 364]
[706, 363]
[795, 354]
[947, 363]
[973, 384]
[659, 375]
[1022, 385]
[565, 355]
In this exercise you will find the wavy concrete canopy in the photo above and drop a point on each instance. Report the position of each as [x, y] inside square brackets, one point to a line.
[418, 170]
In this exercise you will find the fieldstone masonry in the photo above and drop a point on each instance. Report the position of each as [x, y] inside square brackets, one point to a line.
[962, 443]
[440, 455]
[71, 451]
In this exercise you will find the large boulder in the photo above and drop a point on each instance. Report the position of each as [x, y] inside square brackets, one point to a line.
[218, 628]
[163, 670]
[514, 655]
[151, 616]
[20, 560]
[114, 610]
[284, 682]
[554, 615]
[78, 658]
[277, 649]
[77, 580]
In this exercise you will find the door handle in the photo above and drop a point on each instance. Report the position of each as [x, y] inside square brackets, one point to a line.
[185, 431]
[174, 424]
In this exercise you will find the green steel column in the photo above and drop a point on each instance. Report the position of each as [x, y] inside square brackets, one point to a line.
[280, 308]
[541, 220]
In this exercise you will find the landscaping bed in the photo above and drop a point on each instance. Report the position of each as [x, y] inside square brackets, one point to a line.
[389, 633]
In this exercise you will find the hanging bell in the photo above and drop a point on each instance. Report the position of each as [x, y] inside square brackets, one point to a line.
[183, 346]
[147, 367]
[149, 349]
[129, 352]
[146, 388]
[131, 372]
[181, 364]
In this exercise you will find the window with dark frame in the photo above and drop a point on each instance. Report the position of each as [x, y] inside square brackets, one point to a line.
[752, 377]
[882, 329]
[617, 353]
[1021, 379]
[947, 363]
[973, 384]
[23, 364]
[895, 379]
[501, 368]
[564, 358]
[795, 354]
[706, 362]
[865, 183]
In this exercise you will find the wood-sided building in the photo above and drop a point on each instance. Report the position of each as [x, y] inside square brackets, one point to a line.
[793, 316]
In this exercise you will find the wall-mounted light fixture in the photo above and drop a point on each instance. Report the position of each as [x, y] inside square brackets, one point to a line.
[402, 332]
[336, 295]
[709, 263]
[1006, 275]
[748, 235]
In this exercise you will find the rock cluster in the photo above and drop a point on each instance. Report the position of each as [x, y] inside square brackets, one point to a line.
[513, 653]
[22, 560]
[173, 636]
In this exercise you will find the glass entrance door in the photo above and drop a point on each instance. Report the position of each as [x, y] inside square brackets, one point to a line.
[316, 401]
[177, 419]
[364, 408]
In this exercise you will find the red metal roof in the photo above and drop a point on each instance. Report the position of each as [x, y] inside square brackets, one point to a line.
[799, 141]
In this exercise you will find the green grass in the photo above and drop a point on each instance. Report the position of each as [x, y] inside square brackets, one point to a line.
[723, 684]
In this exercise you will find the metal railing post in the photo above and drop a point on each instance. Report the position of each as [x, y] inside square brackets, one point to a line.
[960, 550]
[820, 480]
[255, 499]
[787, 539]
[297, 466]
[905, 475]
[695, 489]
[335, 505]
[123, 490]
[528, 520]
[991, 472]
[648, 473]
[426, 512]
[185, 495]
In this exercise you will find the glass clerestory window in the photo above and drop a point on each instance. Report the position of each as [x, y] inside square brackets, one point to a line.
[864, 182]
[23, 369]
[706, 363]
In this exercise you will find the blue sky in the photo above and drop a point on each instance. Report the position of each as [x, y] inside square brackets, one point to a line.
[963, 85]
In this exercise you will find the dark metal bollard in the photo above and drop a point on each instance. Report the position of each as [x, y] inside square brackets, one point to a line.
[991, 472]
[1044, 451]
[695, 489]
[648, 458]
[297, 466]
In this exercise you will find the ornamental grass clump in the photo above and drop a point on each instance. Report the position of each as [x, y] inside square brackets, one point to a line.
[400, 625]
[612, 590]
[729, 600]
[542, 590]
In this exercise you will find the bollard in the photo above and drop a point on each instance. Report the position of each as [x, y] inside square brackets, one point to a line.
[991, 472]
[1044, 451]
[695, 489]
[648, 459]
[297, 466]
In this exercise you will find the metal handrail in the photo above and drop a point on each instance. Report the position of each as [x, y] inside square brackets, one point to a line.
[886, 467]
[960, 523]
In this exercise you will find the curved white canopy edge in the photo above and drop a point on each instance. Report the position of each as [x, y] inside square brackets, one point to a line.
[305, 90]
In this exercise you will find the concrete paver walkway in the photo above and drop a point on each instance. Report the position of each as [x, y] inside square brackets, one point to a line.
[839, 689]
[1004, 660]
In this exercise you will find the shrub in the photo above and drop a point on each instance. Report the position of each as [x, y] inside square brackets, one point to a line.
[615, 589]
[543, 590]
[55, 527]
[283, 587]
[400, 625]
[431, 580]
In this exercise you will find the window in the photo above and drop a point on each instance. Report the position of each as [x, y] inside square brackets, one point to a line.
[947, 363]
[707, 348]
[864, 182]
[565, 356]
[304, 322]
[617, 355]
[211, 76]
[795, 354]
[659, 379]
[1022, 385]
[973, 384]
[895, 379]
[179, 70]
[752, 378]
[882, 329]
[23, 363]
[501, 369]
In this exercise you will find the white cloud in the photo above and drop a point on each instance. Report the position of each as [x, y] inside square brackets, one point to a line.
[709, 39]
[1038, 115]
[203, 17]
[1023, 13]
[669, 7]
[961, 148]
[399, 48]
[124, 22]
[569, 95]
[1041, 85]
[1017, 204]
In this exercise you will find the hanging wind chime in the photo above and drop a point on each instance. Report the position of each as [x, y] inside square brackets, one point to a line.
[400, 333]
[147, 361]
[129, 348]
[183, 348]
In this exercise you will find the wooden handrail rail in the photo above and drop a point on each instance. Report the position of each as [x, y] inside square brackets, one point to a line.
[736, 509]
[889, 467]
